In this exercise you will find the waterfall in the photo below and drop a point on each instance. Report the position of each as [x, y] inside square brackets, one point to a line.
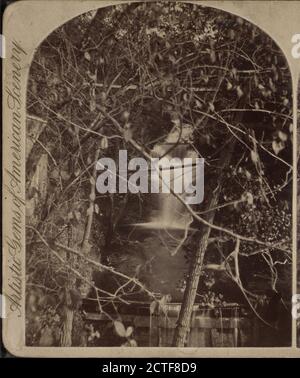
[172, 214]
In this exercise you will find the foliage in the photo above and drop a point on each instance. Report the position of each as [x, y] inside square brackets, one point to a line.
[153, 66]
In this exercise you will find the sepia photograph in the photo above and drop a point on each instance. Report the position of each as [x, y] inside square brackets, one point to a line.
[156, 161]
[105, 268]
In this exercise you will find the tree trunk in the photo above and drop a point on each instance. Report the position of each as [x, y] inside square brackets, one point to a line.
[66, 339]
[196, 264]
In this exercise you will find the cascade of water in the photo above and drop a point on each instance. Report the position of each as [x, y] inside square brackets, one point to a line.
[172, 214]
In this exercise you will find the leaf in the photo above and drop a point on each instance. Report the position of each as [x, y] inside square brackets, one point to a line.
[248, 174]
[176, 121]
[129, 331]
[282, 136]
[234, 72]
[65, 175]
[277, 146]
[103, 97]
[205, 79]
[267, 93]
[77, 215]
[172, 59]
[228, 86]
[198, 104]
[54, 174]
[77, 172]
[127, 134]
[120, 329]
[285, 101]
[126, 115]
[254, 156]
[211, 106]
[272, 85]
[250, 199]
[87, 56]
[133, 343]
[153, 307]
[239, 91]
